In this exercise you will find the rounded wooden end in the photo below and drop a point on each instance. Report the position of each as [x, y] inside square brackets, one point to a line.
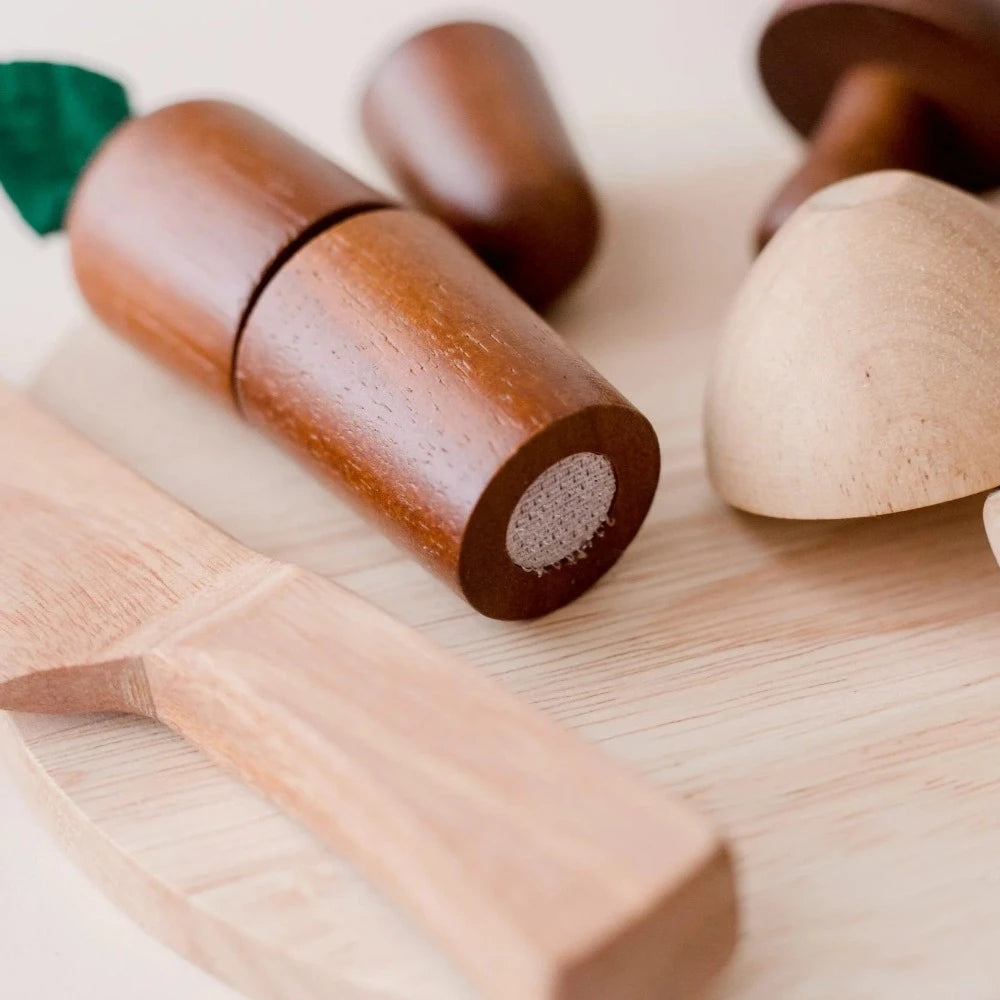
[463, 120]
[559, 513]
[860, 368]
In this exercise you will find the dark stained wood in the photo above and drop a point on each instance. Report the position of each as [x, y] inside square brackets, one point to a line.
[885, 83]
[392, 360]
[874, 121]
[463, 120]
[180, 217]
[369, 339]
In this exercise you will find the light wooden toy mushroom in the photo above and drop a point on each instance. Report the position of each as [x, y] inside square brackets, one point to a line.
[860, 371]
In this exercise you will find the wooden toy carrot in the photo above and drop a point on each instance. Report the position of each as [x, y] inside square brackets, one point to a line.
[364, 336]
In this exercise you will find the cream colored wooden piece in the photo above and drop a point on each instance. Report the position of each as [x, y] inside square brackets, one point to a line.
[544, 869]
[991, 517]
[827, 692]
[860, 371]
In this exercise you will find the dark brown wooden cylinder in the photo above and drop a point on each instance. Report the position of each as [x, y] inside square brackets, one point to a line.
[370, 341]
[463, 120]
[391, 358]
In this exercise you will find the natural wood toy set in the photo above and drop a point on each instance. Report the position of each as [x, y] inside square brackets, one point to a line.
[857, 377]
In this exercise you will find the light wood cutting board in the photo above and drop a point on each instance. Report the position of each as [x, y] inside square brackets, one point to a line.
[828, 693]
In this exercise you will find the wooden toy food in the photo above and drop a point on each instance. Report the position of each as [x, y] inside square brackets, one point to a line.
[462, 118]
[860, 371]
[546, 871]
[370, 341]
[882, 84]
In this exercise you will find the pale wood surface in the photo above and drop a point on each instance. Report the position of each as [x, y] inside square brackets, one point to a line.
[827, 692]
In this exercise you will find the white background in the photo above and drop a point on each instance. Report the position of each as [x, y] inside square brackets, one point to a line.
[653, 90]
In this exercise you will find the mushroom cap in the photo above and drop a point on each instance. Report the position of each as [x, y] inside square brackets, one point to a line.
[948, 49]
[860, 371]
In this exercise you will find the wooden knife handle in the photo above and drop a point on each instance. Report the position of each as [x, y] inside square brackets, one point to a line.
[546, 870]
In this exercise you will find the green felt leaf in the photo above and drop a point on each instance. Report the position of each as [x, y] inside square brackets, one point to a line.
[52, 119]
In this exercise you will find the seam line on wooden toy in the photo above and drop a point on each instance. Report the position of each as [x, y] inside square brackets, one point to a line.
[314, 229]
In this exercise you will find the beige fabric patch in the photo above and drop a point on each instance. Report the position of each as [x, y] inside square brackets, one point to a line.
[561, 512]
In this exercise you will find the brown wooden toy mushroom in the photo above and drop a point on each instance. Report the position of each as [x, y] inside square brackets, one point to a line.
[461, 117]
[879, 84]
[860, 371]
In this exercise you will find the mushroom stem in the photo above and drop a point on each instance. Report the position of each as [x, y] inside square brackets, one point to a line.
[874, 120]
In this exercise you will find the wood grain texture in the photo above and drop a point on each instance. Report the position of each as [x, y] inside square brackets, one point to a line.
[181, 216]
[546, 871]
[219, 875]
[436, 413]
[826, 691]
[884, 84]
[463, 120]
[859, 372]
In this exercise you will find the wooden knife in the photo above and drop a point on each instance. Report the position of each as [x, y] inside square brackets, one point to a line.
[544, 869]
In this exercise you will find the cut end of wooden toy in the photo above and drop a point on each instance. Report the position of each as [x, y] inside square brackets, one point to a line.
[670, 952]
[561, 512]
[861, 365]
